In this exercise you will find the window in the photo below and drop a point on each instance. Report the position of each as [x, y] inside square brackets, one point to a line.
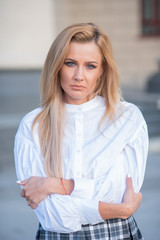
[151, 17]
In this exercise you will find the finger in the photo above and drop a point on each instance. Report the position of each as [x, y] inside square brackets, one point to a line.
[129, 182]
[22, 183]
[33, 205]
[18, 182]
[140, 196]
[23, 193]
[29, 204]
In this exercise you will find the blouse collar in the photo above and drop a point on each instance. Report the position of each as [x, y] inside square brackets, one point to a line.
[85, 106]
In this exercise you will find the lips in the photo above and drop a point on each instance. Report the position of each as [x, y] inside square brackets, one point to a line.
[77, 87]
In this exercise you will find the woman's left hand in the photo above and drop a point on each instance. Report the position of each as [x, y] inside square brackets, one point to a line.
[34, 190]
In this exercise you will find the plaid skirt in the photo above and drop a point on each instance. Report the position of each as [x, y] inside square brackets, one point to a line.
[112, 229]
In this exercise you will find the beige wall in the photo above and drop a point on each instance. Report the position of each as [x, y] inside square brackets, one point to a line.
[27, 30]
[135, 55]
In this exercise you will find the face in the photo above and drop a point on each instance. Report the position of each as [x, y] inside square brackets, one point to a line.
[80, 71]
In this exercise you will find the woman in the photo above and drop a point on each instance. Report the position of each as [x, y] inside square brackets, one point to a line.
[73, 154]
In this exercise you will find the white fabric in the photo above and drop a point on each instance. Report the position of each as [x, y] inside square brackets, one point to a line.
[97, 159]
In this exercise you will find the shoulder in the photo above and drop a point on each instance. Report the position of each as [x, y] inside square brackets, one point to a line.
[25, 126]
[130, 117]
[131, 112]
[29, 117]
[132, 120]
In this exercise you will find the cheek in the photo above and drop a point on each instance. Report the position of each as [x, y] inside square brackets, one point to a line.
[93, 81]
[65, 77]
[63, 83]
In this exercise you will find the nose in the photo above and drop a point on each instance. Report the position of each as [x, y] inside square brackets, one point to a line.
[79, 74]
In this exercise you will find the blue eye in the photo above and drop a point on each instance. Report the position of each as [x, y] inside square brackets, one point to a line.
[69, 64]
[91, 66]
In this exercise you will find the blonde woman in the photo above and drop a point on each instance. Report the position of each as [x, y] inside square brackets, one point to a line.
[73, 154]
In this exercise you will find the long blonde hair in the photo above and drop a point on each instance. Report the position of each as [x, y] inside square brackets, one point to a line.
[51, 120]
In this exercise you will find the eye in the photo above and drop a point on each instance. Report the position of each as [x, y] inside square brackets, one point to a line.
[91, 66]
[69, 64]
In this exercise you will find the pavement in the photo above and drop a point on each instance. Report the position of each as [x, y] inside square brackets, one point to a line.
[17, 220]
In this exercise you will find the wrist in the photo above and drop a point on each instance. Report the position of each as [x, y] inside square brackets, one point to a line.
[64, 188]
[126, 210]
[69, 186]
[51, 184]
[55, 186]
[110, 210]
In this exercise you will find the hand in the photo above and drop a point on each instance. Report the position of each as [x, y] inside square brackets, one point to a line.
[131, 200]
[34, 190]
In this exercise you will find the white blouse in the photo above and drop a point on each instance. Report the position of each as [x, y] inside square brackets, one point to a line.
[97, 159]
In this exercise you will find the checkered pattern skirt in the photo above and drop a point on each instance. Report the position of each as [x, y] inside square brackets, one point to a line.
[112, 229]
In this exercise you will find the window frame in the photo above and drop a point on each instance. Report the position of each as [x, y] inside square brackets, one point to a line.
[153, 22]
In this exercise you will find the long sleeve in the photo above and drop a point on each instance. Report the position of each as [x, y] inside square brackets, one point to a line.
[135, 156]
[56, 213]
[67, 214]
[131, 160]
[87, 187]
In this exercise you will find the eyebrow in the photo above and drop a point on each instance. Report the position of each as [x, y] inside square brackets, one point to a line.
[76, 61]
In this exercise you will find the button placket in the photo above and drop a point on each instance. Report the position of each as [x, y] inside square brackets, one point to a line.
[78, 143]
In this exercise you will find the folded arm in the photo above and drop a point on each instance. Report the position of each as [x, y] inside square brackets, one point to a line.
[61, 213]
[36, 189]
[67, 213]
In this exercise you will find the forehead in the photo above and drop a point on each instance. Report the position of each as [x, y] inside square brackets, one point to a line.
[87, 51]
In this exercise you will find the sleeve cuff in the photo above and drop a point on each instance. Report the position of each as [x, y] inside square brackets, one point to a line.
[90, 212]
[83, 187]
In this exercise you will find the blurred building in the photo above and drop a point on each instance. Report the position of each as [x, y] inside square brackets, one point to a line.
[28, 28]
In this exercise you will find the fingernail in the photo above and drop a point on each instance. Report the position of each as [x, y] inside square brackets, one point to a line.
[129, 175]
[18, 181]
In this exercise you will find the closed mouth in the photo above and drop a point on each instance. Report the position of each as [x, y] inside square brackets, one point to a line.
[77, 86]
